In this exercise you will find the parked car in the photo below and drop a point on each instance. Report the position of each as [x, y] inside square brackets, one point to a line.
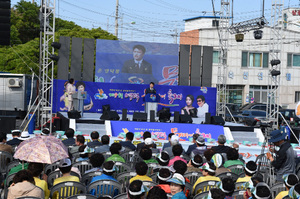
[256, 115]
[257, 106]
[289, 115]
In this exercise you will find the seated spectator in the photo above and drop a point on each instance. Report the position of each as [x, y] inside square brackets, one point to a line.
[177, 151]
[221, 148]
[194, 164]
[150, 144]
[108, 171]
[168, 144]
[250, 185]
[177, 185]
[24, 136]
[84, 153]
[201, 147]
[95, 140]
[3, 145]
[65, 166]
[174, 141]
[70, 137]
[128, 142]
[23, 185]
[233, 158]
[216, 193]
[157, 193]
[179, 167]
[289, 181]
[236, 146]
[163, 175]
[15, 141]
[36, 169]
[163, 160]
[45, 132]
[261, 190]
[79, 141]
[227, 186]
[250, 170]
[105, 145]
[294, 192]
[141, 169]
[208, 154]
[218, 161]
[146, 155]
[146, 135]
[136, 190]
[96, 161]
[208, 172]
[193, 146]
[115, 149]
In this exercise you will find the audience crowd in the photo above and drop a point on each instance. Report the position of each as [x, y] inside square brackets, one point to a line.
[201, 172]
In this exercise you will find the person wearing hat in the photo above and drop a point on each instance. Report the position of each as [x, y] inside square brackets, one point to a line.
[201, 147]
[250, 170]
[85, 153]
[177, 185]
[208, 172]
[250, 185]
[294, 192]
[15, 141]
[218, 161]
[261, 190]
[163, 161]
[65, 166]
[221, 148]
[146, 155]
[128, 142]
[193, 146]
[227, 186]
[215, 193]
[45, 132]
[136, 190]
[174, 141]
[157, 193]
[115, 149]
[150, 144]
[284, 162]
[163, 175]
[289, 181]
[146, 135]
[3, 145]
[194, 164]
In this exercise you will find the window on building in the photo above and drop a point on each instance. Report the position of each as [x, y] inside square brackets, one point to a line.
[215, 23]
[255, 59]
[297, 96]
[216, 55]
[293, 60]
[258, 93]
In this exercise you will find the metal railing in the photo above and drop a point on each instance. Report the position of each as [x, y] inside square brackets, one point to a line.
[230, 114]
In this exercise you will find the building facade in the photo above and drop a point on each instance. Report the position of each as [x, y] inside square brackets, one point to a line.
[249, 61]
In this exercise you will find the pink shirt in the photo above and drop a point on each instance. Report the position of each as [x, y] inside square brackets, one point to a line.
[175, 159]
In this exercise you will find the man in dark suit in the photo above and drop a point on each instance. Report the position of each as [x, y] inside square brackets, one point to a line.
[70, 137]
[137, 64]
[15, 141]
[95, 140]
[151, 89]
[128, 142]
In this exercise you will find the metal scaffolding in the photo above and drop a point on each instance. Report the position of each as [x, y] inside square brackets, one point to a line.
[47, 13]
[275, 66]
[223, 32]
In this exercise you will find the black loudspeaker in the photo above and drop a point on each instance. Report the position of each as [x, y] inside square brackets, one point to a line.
[137, 116]
[185, 119]
[7, 123]
[74, 114]
[111, 115]
[176, 116]
[217, 120]
[4, 22]
[105, 112]
[124, 115]
[152, 116]
[207, 118]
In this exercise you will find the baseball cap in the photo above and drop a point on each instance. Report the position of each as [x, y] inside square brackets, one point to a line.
[24, 135]
[222, 139]
[174, 139]
[148, 141]
[177, 179]
[66, 162]
[206, 167]
[200, 140]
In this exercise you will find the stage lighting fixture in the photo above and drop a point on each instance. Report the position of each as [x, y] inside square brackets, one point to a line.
[275, 62]
[275, 73]
[56, 45]
[258, 34]
[54, 57]
[239, 37]
[164, 115]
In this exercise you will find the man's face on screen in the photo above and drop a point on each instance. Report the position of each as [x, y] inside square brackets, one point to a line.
[138, 54]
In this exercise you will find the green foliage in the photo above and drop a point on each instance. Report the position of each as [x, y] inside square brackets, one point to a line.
[23, 54]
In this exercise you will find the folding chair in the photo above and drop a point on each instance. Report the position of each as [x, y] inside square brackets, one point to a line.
[238, 194]
[105, 187]
[193, 176]
[149, 184]
[186, 157]
[82, 196]
[121, 167]
[237, 169]
[201, 195]
[106, 154]
[5, 159]
[277, 188]
[205, 186]
[188, 190]
[154, 178]
[75, 156]
[51, 167]
[124, 178]
[56, 174]
[239, 186]
[87, 177]
[151, 167]
[127, 155]
[231, 175]
[64, 190]
[121, 196]
[12, 165]
[83, 166]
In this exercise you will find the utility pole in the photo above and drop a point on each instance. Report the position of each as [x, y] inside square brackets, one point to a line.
[116, 18]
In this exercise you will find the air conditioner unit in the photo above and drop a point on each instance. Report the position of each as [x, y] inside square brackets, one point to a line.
[14, 82]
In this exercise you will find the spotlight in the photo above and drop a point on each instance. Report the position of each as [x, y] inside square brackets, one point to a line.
[239, 37]
[258, 34]
[56, 45]
[54, 57]
[275, 62]
[275, 73]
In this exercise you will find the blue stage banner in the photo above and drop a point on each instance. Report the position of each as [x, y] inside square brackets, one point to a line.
[130, 97]
[136, 62]
[160, 131]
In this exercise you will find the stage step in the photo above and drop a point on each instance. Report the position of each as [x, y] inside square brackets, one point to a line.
[87, 128]
[240, 136]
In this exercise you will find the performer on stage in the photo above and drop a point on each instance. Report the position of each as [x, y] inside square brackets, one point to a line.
[70, 90]
[151, 89]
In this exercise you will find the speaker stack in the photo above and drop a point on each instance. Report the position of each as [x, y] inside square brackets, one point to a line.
[4, 22]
